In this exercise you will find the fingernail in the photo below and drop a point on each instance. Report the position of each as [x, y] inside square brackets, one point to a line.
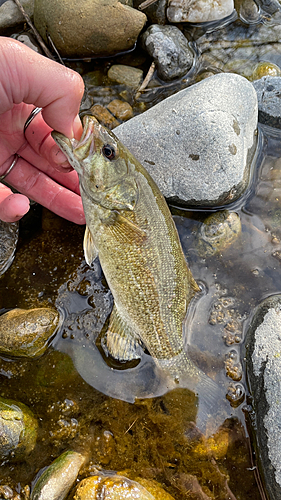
[60, 157]
[76, 127]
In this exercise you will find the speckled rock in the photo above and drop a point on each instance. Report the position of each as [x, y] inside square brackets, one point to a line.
[198, 11]
[268, 90]
[88, 27]
[27, 332]
[263, 343]
[18, 430]
[10, 14]
[170, 50]
[197, 144]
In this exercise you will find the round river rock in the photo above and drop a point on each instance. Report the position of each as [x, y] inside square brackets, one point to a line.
[198, 144]
[88, 27]
[18, 430]
[27, 333]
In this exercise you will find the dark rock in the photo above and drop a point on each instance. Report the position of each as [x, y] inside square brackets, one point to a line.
[169, 49]
[268, 90]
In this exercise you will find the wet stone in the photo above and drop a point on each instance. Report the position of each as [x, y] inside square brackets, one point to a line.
[126, 75]
[57, 480]
[253, 43]
[27, 332]
[218, 232]
[265, 69]
[263, 347]
[18, 430]
[268, 90]
[197, 144]
[120, 109]
[170, 50]
[104, 116]
[119, 487]
[194, 11]
[9, 233]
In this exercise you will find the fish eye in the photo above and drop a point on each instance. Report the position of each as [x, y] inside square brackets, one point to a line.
[109, 151]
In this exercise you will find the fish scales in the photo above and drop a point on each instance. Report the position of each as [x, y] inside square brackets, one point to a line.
[130, 227]
[157, 289]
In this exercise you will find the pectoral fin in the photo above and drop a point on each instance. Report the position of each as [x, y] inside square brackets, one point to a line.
[90, 250]
[126, 231]
[121, 342]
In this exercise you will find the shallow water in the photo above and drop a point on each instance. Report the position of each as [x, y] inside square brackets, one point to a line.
[153, 437]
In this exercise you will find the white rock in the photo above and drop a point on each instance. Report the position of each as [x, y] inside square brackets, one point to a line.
[198, 11]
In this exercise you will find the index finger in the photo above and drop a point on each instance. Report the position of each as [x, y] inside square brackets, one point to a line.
[29, 77]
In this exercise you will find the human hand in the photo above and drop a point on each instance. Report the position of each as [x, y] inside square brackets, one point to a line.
[42, 172]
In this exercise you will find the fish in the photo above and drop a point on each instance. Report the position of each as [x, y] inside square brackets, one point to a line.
[130, 227]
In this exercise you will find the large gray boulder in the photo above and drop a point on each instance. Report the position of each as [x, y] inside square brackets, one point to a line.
[263, 343]
[198, 143]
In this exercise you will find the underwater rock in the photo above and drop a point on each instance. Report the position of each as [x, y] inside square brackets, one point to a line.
[104, 116]
[218, 232]
[121, 109]
[117, 487]
[247, 10]
[56, 481]
[126, 75]
[88, 28]
[268, 90]
[197, 144]
[169, 49]
[263, 344]
[18, 430]
[27, 332]
[239, 41]
[198, 11]
[9, 233]
[10, 15]
[265, 69]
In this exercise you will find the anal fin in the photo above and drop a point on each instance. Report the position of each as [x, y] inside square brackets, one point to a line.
[121, 342]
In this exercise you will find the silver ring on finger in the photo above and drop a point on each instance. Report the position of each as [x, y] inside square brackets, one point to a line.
[10, 168]
[32, 115]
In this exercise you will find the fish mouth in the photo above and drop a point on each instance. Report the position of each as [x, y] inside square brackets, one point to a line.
[77, 150]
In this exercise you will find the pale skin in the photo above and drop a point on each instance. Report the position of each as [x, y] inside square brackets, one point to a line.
[42, 172]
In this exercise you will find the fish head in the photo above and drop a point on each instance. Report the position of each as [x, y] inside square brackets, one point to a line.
[104, 166]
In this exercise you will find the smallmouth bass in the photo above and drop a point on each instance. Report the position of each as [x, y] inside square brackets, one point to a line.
[130, 228]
